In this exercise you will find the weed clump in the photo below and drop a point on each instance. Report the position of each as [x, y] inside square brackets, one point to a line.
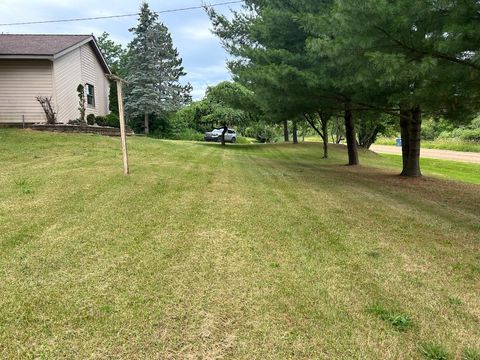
[471, 354]
[399, 321]
[433, 352]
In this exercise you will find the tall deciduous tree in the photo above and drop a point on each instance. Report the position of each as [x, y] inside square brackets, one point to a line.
[154, 69]
[113, 53]
[231, 103]
[116, 56]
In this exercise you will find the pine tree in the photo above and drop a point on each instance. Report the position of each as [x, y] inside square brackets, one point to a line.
[271, 49]
[154, 69]
[421, 56]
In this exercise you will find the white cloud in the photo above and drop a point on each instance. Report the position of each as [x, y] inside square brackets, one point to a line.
[199, 93]
[200, 73]
[199, 32]
[204, 76]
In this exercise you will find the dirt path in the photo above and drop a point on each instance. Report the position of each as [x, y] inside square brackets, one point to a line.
[471, 157]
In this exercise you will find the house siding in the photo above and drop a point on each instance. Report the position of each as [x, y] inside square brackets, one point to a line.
[94, 74]
[67, 76]
[21, 81]
[79, 66]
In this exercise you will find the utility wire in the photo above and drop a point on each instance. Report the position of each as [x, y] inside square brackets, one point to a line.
[118, 16]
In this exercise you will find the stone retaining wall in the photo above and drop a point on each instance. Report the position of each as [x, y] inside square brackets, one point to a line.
[101, 130]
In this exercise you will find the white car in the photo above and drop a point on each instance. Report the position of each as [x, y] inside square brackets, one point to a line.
[216, 135]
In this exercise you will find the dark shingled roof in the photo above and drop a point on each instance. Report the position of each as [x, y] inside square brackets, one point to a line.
[41, 45]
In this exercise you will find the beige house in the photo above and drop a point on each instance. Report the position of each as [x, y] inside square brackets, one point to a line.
[50, 65]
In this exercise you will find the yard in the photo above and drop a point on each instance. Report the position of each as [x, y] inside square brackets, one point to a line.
[247, 252]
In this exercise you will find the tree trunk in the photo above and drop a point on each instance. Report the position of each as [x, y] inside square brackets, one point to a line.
[412, 167]
[405, 119]
[368, 137]
[372, 138]
[225, 129]
[147, 127]
[285, 130]
[295, 132]
[324, 122]
[339, 138]
[350, 135]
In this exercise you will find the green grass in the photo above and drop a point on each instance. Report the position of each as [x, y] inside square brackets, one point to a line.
[434, 352]
[401, 322]
[452, 144]
[471, 354]
[243, 252]
[446, 144]
[454, 170]
[246, 140]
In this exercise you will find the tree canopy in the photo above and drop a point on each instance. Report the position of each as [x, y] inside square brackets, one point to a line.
[368, 59]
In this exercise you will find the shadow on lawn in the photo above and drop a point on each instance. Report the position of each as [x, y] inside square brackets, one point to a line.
[330, 174]
[271, 146]
[298, 160]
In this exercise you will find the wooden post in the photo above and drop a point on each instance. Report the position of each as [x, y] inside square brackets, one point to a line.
[121, 116]
[122, 127]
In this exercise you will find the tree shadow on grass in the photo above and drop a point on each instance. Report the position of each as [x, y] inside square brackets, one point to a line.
[444, 196]
[305, 162]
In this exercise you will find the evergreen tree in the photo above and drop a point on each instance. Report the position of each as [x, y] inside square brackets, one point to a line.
[154, 69]
[374, 57]
[273, 58]
[420, 55]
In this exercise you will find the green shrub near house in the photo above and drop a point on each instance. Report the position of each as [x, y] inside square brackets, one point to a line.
[111, 120]
[101, 120]
[91, 119]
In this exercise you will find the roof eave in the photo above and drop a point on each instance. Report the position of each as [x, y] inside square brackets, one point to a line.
[26, 57]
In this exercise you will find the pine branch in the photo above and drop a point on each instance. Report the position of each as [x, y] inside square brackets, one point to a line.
[434, 54]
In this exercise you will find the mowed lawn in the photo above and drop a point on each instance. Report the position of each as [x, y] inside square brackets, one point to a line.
[247, 252]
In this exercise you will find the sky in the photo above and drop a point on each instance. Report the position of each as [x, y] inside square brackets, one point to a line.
[203, 57]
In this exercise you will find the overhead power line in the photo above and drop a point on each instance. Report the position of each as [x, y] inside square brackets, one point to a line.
[118, 16]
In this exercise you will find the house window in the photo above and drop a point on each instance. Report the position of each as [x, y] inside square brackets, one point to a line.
[90, 95]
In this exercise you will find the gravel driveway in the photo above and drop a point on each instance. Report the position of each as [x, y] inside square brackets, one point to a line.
[471, 157]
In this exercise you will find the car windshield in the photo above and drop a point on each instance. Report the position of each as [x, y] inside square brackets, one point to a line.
[220, 130]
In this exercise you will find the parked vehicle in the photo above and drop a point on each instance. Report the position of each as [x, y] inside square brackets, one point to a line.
[216, 135]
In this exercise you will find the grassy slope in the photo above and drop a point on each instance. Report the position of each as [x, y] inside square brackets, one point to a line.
[247, 252]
